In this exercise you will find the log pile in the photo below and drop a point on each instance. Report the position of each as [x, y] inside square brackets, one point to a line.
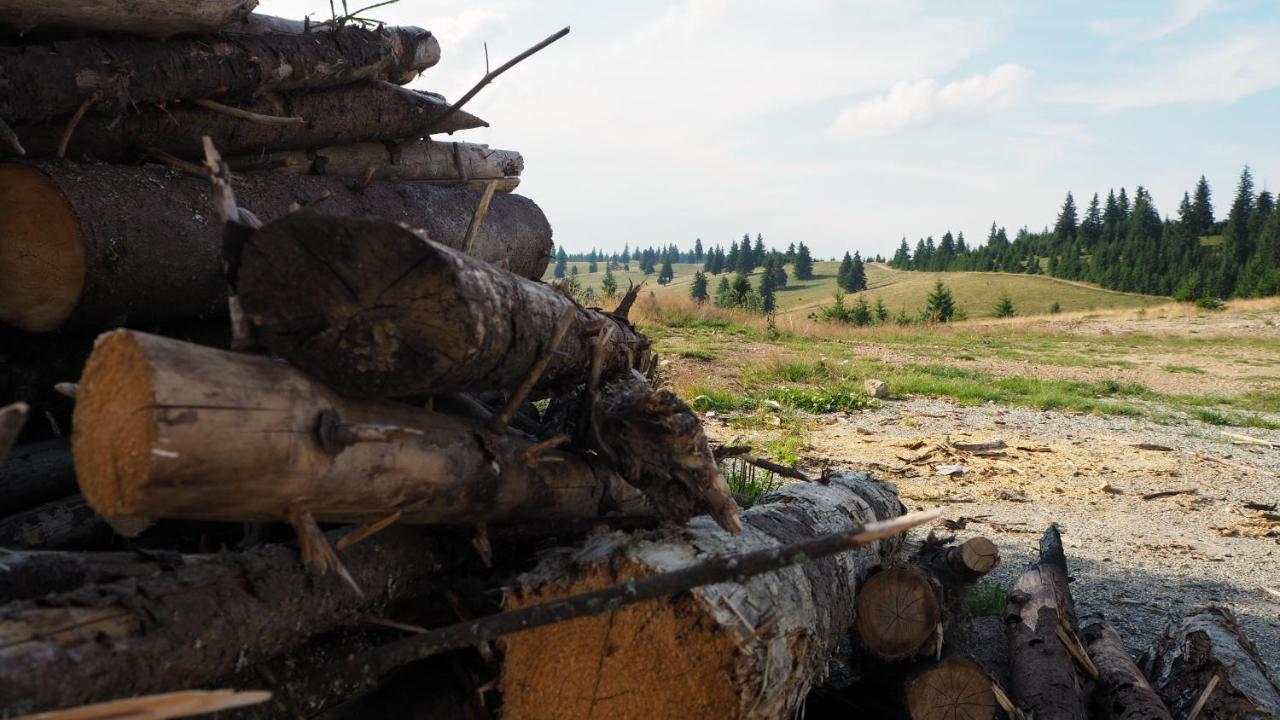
[287, 408]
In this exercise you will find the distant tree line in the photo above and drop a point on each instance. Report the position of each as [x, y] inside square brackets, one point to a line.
[1123, 244]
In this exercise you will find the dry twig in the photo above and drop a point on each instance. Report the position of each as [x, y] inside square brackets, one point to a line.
[491, 76]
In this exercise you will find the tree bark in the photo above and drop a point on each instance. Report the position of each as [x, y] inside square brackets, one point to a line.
[38, 82]
[166, 429]
[1193, 649]
[372, 309]
[97, 246]
[956, 688]
[1044, 682]
[428, 160]
[358, 112]
[989, 645]
[27, 575]
[65, 524]
[1123, 692]
[657, 444]
[749, 650]
[184, 628]
[150, 18]
[35, 474]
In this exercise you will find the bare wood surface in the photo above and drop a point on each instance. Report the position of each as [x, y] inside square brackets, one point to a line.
[166, 429]
[899, 611]
[958, 688]
[426, 160]
[1204, 643]
[354, 113]
[730, 650]
[1123, 692]
[373, 309]
[187, 627]
[1044, 683]
[88, 246]
[150, 18]
[41, 81]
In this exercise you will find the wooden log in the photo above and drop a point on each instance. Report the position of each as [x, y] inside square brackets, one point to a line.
[166, 429]
[371, 308]
[956, 568]
[26, 574]
[958, 688]
[38, 82]
[899, 614]
[657, 444]
[358, 112]
[989, 645]
[97, 246]
[184, 628]
[731, 650]
[1206, 643]
[150, 18]
[65, 524]
[1044, 683]
[453, 162]
[35, 474]
[1123, 692]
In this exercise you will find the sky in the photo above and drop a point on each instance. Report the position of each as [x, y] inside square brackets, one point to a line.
[849, 124]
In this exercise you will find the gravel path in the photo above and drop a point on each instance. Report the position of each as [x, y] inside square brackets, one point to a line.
[1139, 562]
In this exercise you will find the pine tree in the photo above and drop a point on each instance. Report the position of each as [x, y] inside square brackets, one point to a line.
[626, 254]
[723, 287]
[858, 276]
[709, 261]
[717, 264]
[1201, 209]
[699, 289]
[790, 255]
[860, 313]
[746, 256]
[666, 274]
[731, 260]
[573, 270]
[562, 260]
[765, 288]
[939, 306]
[609, 284]
[902, 258]
[803, 264]
[1065, 227]
[697, 250]
[845, 273]
[1237, 246]
[779, 272]
[1004, 307]
[758, 252]
[882, 311]
[1055, 308]
[1091, 226]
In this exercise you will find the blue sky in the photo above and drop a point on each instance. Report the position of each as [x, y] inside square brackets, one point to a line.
[847, 125]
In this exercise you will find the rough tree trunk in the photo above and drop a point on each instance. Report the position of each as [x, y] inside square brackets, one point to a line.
[1207, 642]
[657, 444]
[750, 650]
[373, 309]
[65, 524]
[151, 18]
[427, 160]
[25, 575]
[363, 111]
[1123, 692]
[1044, 682]
[182, 629]
[95, 246]
[35, 474]
[166, 429]
[38, 82]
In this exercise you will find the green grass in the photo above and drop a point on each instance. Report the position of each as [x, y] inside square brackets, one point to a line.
[975, 293]
[748, 483]
[986, 598]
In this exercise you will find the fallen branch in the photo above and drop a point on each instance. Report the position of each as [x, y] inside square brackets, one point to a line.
[239, 114]
[1168, 493]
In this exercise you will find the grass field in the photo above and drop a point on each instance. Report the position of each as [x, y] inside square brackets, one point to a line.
[976, 293]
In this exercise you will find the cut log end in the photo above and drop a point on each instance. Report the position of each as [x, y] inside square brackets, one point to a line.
[956, 689]
[603, 666]
[898, 613]
[979, 555]
[42, 254]
[114, 438]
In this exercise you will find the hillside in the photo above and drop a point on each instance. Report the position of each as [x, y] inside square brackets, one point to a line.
[975, 292]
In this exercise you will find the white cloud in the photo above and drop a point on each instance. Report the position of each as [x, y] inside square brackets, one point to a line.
[1221, 73]
[920, 102]
[1185, 12]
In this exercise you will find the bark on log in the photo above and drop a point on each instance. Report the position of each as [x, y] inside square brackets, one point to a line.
[958, 688]
[45, 81]
[750, 650]
[150, 18]
[65, 524]
[96, 246]
[184, 628]
[899, 611]
[1044, 682]
[373, 309]
[1123, 692]
[359, 112]
[956, 568]
[657, 444]
[35, 474]
[1193, 649]
[26, 575]
[166, 429]
[428, 160]
[989, 645]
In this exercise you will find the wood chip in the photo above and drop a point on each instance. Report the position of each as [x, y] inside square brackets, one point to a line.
[979, 447]
[1169, 493]
[1151, 446]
